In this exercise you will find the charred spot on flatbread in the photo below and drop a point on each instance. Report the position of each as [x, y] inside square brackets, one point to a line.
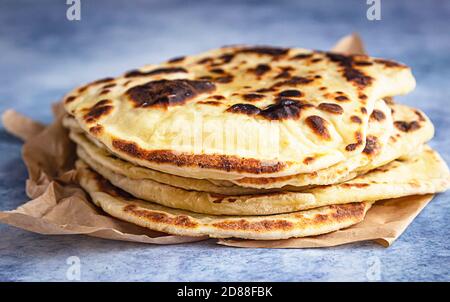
[248, 109]
[372, 145]
[252, 97]
[164, 93]
[294, 81]
[302, 56]
[359, 141]
[318, 125]
[100, 109]
[389, 63]
[282, 109]
[331, 108]
[349, 71]
[138, 73]
[356, 119]
[96, 130]
[377, 115]
[69, 99]
[260, 69]
[290, 93]
[265, 50]
[176, 59]
[407, 126]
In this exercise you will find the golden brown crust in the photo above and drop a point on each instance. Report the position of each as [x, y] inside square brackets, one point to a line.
[259, 226]
[220, 162]
[346, 211]
[158, 217]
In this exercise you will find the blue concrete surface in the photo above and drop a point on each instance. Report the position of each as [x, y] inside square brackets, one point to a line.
[43, 55]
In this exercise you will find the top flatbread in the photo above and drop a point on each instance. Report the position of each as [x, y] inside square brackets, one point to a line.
[411, 128]
[239, 111]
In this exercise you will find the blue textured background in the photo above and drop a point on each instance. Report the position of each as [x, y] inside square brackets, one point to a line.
[43, 55]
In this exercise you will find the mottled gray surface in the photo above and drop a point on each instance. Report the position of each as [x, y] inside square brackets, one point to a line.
[43, 55]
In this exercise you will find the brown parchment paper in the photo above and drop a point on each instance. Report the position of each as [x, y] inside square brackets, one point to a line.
[58, 206]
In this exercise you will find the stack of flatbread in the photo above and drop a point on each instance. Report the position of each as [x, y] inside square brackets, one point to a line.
[252, 142]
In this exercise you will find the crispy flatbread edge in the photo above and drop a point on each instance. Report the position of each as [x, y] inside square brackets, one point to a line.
[179, 222]
[423, 173]
[398, 147]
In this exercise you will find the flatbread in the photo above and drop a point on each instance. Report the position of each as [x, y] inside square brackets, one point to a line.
[179, 222]
[424, 173]
[400, 143]
[421, 174]
[239, 111]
